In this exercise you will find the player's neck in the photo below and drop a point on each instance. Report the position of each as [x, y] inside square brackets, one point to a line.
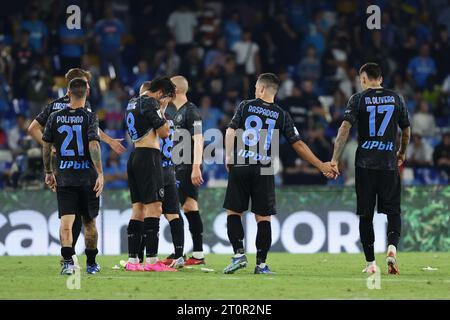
[267, 98]
[179, 101]
[374, 86]
[77, 104]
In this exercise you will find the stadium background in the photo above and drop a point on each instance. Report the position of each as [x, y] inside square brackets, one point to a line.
[316, 48]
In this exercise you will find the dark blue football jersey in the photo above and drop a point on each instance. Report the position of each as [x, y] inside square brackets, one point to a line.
[143, 116]
[258, 120]
[378, 113]
[70, 131]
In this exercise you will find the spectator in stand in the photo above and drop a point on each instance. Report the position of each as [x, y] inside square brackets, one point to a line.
[423, 122]
[37, 30]
[209, 24]
[22, 55]
[286, 85]
[115, 172]
[309, 67]
[72, 41]
[247, 56]
[421, 67]
[143, 74]
[441, 155]
[419, 153]
[113, 101]
[38, 82]
[109, 34]
[18, 133]
[167, 61]
[295, 105]
[215, 56]
[233, 81]
[442, 52]
[211, 116]
[232, 30]
[402, 87]
[182, 23]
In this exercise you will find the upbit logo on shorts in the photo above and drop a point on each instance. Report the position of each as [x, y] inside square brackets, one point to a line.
[76, 165]
[378, 145]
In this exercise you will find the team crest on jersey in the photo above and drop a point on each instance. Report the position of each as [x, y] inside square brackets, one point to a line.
[161, 192]
[179, 118]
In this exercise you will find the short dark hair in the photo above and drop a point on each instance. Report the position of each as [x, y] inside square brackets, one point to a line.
[269, 80]
[372, 70]
[164, 84]
[78, 87]
[77, 73]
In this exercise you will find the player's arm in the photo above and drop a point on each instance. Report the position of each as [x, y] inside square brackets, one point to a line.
[404, 141]
[35, 131]
[230, 134]
[95, 152]
[115, 144]
[151, 110]
[47, 143]
[341, 140]
[194, 122]
[292, 135]
[306, 154]
[404, 124]
[229, 146]
[350, 119]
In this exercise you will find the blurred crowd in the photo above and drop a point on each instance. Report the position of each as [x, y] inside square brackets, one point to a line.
[314, 46]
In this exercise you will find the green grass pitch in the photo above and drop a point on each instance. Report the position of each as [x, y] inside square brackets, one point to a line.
[306, 276]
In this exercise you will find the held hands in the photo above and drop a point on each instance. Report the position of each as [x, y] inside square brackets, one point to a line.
[196, 176]
[117, 146]
[329, 170]
[98, 188]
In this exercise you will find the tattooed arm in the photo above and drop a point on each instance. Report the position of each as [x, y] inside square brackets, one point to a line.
[406, 135]
[47, 158]
[96, 157]
[341, 140]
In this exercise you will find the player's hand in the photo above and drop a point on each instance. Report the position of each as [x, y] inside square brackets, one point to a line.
[98, 188]
[400, 158]
[196, 176]
[50, 181]
[228, 162]
[329, 171]
[335, 166]
[117, 146]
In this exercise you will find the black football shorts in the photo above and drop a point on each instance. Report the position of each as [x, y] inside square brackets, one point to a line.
[78, 200]
[170, 204]
[145, 177]
[184, 183]
[246, 183]
[381, 187]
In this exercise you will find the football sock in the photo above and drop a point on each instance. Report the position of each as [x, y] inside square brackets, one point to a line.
[235, 232]
[198, 254]
[134, 231]
[177, 231]
[367, 236]
[263, 241]
[151, 235]
[141, 247]
[90, 255]
[151, 260]
[393, 229]
[67, 253]
[76, 230]
[196, 229]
